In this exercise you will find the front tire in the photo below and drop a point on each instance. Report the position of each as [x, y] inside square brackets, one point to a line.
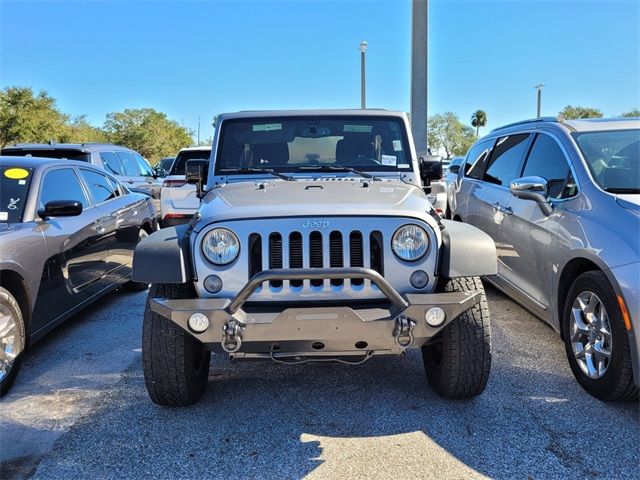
[12, 340]
[458, 360]
[175, 365]
[596, 340]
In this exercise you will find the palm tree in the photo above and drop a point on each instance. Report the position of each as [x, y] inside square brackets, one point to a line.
[478, 119]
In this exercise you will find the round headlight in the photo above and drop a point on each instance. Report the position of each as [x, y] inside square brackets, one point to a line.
[410, 242]
[221, 246]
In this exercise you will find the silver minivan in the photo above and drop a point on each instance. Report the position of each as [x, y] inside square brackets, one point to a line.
[561, 199]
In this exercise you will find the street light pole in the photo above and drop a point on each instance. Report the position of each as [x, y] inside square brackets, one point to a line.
[539, 88]
[363, 88]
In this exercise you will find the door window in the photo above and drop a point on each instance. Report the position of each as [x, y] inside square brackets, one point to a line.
[476, 159]
[505, 162]
[62, 184]
[547, 160]
[129, 163]
[143, 166]
[111, 163]
[100, 186]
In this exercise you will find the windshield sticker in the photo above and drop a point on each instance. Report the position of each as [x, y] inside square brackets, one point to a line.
[4, 216]
[16, 173]
[267, 127]
[22, 182]
[13, 203]
[404, 165]
[389, 160]
[358, 128]
[397, 145]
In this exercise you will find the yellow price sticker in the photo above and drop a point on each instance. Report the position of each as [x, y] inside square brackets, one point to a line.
[16, 173]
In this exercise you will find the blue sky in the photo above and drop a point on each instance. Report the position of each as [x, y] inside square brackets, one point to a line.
[200, 58]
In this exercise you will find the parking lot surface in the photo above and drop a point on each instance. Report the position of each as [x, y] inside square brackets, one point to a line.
[79, 409]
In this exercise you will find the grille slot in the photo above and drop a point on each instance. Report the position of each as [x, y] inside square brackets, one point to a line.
[255, 254]
[275, 256]
[375, 251]
[356, 254]
[315, 254]
[295, 254]
[336, 254]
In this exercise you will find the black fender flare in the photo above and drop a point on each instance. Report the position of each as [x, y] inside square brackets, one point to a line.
[163, 257]
[466, 251]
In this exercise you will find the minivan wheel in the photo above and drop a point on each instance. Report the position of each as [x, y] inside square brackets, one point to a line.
[138, 286]
[12, 340]
[596, 340]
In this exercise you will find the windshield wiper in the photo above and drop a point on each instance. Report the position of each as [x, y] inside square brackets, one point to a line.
[622, 190]
[334, 168]
[258, 170]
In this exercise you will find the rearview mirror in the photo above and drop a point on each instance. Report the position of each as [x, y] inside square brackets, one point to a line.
[196, 172]
[532, 188]
[430, 168]
[61, 208]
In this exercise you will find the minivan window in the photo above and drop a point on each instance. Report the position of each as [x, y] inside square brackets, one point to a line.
[504, 165]
[476, 158]
[547, 160]
[143, 167]
[101, 187]
[111, 163]
[129, 163]
[62, 184]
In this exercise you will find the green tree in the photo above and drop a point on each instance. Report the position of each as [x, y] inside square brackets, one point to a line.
[79, 130]
[147, 131]
[25, 117]
[445, 130]
[635, 112]
[478, 119]
[570, 112]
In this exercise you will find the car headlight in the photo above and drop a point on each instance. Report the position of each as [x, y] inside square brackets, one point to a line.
[410, 242]
[221, 246]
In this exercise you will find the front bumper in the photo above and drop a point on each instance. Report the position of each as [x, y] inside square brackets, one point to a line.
[331, 331]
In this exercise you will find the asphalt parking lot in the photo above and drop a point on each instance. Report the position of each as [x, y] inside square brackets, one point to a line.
[80, 410]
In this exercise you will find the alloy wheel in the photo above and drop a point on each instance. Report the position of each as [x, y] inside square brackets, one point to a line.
[11, 343]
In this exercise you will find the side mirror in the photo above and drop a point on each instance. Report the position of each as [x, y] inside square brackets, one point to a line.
[454, 169]
[61, 208]
[430, 168]
[532, 188]
[196, 172]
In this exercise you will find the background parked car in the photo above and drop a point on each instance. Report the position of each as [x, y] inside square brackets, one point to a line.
[450, 175]
[561, 199]
[164, 166]
[178, 200]
[67, 233]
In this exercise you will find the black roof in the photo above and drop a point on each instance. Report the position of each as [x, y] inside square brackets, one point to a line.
[84, 147]
[35, 162]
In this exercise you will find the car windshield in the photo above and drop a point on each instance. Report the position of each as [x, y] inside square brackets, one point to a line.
[300, 144]
[613, 157]
[66, 154]
[14, 187]
[180, 163]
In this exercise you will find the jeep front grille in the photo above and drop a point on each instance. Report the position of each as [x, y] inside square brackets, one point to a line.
[316, 249]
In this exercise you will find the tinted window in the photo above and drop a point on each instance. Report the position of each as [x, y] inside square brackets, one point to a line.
[143, 167]
[504, 164]
[14, 187]
[476, 159]
[111, 163]
[547, 160]
[129, 163]
[62, 184]
[62, 153]
[181, 160]
[100, 186]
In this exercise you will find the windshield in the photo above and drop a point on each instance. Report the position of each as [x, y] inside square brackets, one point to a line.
[180, 163]
[613, 157]
[14, 187]
[61, 153]
[298, 144]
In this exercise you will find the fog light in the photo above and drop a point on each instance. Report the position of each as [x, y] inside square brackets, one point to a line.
[435, 316]
[213, 284]
[198, 322]
[419, 279]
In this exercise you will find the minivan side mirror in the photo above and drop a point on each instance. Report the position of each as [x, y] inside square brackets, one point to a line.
[196, 172]
[430, 168]
[454, 169]
[61, 208]
[532, 188]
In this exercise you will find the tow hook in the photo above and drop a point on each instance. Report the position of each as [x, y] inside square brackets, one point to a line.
[231, 339]
[403, 333]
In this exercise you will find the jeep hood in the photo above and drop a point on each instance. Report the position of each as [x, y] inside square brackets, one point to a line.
[314, 197]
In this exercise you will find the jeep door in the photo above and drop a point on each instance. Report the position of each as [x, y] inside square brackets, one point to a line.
[76, 249]
[529, 235]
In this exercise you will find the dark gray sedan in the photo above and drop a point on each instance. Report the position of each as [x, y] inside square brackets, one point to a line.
[67, 235]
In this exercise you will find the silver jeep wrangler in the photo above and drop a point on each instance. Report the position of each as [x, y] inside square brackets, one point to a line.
[314, 241]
